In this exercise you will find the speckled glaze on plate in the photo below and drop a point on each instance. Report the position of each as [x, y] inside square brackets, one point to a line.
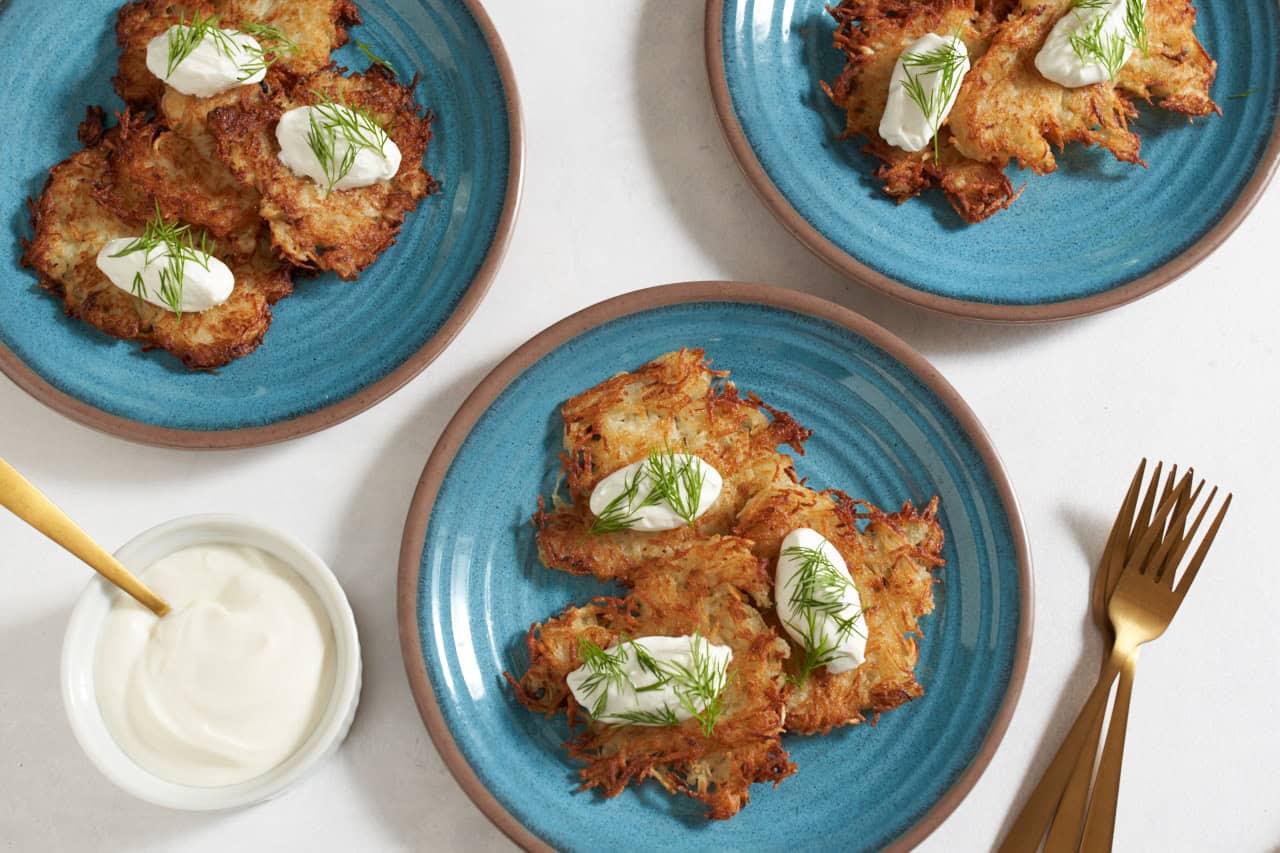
[1094, 235]
[334, 348]
[888, 428]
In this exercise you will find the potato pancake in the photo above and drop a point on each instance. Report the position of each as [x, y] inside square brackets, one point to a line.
[1006, 111]
[316, 26]
[675, 401]
[696, 589]
[889, 562]
[1176, 72]
[75, 217]
[161, 167]
[342, 231]
[716, 577]
[872, 34]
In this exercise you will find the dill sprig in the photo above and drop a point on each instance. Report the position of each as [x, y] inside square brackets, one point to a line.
[698, 686]
[1110, 50]
[677, 482]
[606, 671]
[1135, 24]
[354, 126]
[272, 44]
[179, 246]
[373, 57]
[186, 37]
[946, 62]
[1092, 45]
[817, 593]
[1246, 93]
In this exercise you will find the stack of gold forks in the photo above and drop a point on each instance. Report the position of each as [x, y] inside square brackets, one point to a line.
[1134, 598]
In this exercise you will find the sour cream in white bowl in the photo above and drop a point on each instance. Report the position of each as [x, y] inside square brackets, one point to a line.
[241, 690]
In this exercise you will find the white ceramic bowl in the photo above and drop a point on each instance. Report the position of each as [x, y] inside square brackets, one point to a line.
[80, 644]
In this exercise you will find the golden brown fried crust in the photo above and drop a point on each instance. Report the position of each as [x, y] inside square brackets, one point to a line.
[158, 167]
[872, 34]
[1176, 71]
[674, 597]
[71, 225]
[346, 230]
[317, 26]
[675, 401]
[890, 562]
[1007, 110]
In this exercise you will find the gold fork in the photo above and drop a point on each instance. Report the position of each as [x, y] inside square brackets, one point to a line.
[1068, 821]
[1141, 607]
[1029, 828]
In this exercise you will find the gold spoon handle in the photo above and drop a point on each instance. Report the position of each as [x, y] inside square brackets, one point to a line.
[29, 504]
[1100, 824]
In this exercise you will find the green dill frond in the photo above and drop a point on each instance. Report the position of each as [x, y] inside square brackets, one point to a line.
[947, 63]
[663, 716]
[180, 247]
[698, 686]
[677, 482]
[186, 37]
[373, 57]
[272, 45]
[606, 670]
[332, 122]
[1091, 45]
[1135, 24]
[1110, 50]
[817, 592]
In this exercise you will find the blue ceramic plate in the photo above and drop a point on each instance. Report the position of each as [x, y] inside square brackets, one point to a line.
[1093, 235]
[334, 348]
[887, 427]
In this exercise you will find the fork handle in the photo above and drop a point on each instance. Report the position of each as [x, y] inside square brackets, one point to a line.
[1029, 827]
[1100, 824]
[1068, 822]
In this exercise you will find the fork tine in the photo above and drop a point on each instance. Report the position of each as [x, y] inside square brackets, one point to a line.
[1182, 506]
[1143, 520]
[1113, 553]
[1176, 555]
[1137, 560]
[1190, 574]
[1167, 568]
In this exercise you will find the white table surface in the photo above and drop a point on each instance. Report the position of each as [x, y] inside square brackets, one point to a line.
[629, 183]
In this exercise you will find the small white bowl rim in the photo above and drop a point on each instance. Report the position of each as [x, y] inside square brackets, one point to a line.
[80, 642]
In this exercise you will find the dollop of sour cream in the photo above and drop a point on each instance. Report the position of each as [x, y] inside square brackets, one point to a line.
[293, 133]
[809, 568]
[637, 695]
[227, 685]
[904, 124]
[628, 492]
[215, 65]
[1059, 61]
[205, 284]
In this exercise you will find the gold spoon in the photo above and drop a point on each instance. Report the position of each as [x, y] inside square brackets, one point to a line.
[29, 504]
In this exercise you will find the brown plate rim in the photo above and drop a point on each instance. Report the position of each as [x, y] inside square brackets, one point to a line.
[849, 266]
[334, 413]
[500, 377]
